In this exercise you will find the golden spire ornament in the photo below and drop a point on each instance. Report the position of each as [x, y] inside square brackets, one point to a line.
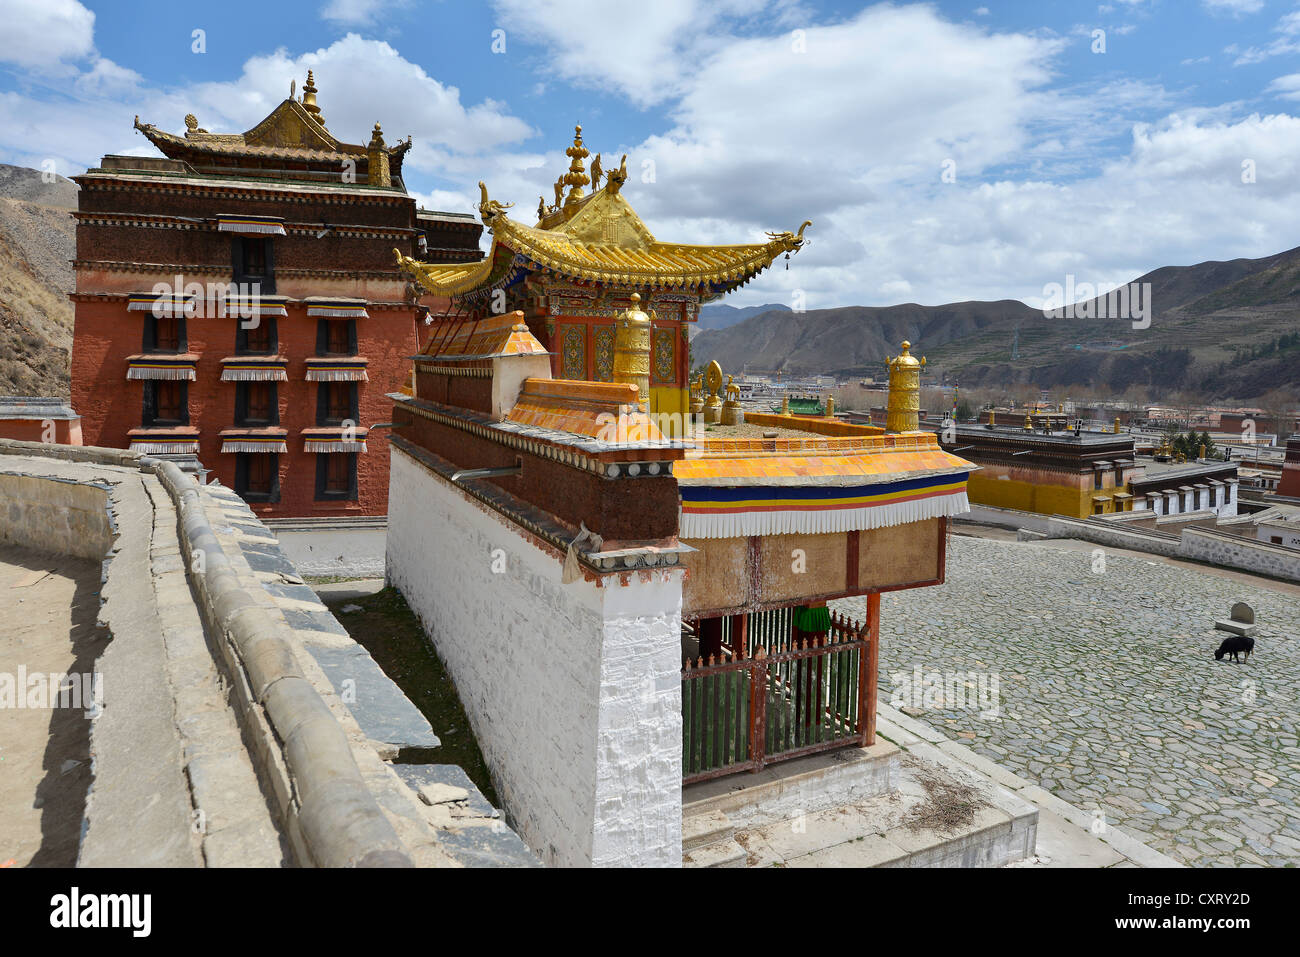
[309, 99]
[576, 177]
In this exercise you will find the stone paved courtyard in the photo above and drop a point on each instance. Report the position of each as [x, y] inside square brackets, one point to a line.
[1107, 691]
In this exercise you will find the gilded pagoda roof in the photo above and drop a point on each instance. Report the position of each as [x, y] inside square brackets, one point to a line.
[294, 130]
[597, 238]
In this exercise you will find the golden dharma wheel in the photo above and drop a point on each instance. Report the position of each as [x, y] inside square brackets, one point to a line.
[713, 377]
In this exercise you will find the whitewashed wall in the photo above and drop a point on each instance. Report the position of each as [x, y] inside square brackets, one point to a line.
[573, 690]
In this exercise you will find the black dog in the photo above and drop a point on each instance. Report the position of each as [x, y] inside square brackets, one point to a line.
[1238, 644]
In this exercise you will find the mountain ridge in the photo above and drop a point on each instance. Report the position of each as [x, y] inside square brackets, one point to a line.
[1185, 348]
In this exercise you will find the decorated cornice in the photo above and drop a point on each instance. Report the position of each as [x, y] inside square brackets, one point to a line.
[239, 187]
[214, 224]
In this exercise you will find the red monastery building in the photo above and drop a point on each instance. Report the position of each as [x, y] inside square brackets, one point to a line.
[237, 300]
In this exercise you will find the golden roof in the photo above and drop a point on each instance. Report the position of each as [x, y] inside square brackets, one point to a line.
[495, 336]
[293, 130]
[597, 238]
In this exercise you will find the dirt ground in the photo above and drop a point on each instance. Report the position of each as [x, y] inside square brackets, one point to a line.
[48, 607]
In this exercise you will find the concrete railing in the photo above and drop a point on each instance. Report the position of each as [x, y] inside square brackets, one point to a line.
[340, 822]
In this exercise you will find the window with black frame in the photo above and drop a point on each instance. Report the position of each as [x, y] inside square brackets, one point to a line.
[336, 476]
[164, 334]
[336, 337]
[166, 402]
[257, 476]
[336, 403]
[253, 262]
[262, 339]
[256, 404]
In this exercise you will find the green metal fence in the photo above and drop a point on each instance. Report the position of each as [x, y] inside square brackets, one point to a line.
[785, 698]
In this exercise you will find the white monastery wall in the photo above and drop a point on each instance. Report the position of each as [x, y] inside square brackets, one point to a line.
[573, 691]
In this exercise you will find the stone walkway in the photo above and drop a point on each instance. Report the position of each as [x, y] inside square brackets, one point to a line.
[1106, 690]
[48, 605]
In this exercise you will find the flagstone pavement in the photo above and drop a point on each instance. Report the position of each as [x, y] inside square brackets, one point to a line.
[1102, 687]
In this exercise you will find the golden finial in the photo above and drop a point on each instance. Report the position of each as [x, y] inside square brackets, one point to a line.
[904, 405]
[576, 177]
[377, 138]
[309, 99]
[632, 350]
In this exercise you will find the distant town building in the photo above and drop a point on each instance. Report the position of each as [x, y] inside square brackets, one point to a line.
[1290, 481]
[238, 300]
[1056, 473]
[1173, 489]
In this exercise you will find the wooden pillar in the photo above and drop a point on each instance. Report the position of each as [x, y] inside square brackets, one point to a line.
[740, 635]
[710, 637]
[872, 675]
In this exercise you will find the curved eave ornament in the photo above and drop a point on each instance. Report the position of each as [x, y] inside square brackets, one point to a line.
[555, 251]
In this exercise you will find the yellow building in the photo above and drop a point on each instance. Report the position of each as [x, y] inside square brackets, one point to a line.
[1054, 473]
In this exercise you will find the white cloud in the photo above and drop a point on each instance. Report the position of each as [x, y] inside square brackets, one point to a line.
[1286, 87]
[358, 13]
[642, 51]
[44, 35]
[1234, 8]
[1287, 42]
[95, 117]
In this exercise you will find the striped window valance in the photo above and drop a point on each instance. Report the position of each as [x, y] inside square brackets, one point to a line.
[166, 305]
[163, 443]
[335, 440]
[336, 370]
[250, 225]
[255, 369]
[247, 308]
[711, 511]
[161, 367]
[337, 309]
[232, 441]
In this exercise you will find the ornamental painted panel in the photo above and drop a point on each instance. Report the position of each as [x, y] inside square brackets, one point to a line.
[573, 347]
[603, 344]
[665, 356]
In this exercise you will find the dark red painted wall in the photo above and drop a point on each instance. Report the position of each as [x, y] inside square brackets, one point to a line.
[110, 405]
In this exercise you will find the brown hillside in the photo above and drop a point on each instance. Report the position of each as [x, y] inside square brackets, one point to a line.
[37, 244]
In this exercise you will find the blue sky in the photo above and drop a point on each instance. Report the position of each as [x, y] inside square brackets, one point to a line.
[944, 151]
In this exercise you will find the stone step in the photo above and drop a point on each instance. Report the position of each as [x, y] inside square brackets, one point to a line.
[726, 854]
[701, 830]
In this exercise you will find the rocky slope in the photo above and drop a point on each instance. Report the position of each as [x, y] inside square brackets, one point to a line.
[37, 243]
